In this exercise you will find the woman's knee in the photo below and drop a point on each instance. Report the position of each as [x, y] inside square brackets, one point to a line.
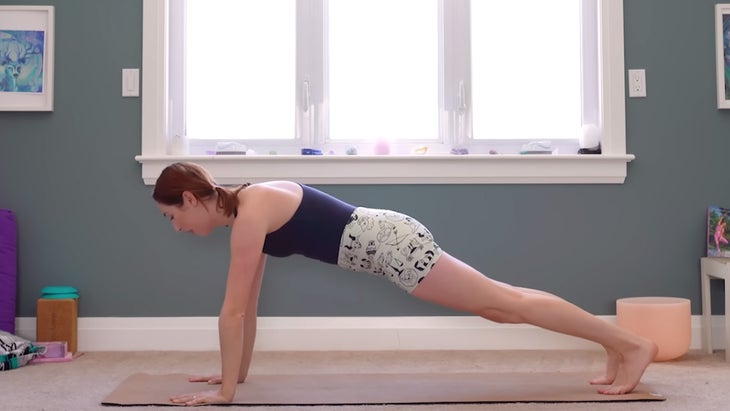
[501, 316]
[508, 307]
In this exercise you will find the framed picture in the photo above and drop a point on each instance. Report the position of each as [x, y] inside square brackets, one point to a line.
[722, 54]
[717, 235]
[26, 58]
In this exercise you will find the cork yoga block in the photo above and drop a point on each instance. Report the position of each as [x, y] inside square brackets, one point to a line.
[56, 320]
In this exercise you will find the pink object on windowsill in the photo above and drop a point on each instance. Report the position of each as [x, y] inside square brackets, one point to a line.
[381, 147]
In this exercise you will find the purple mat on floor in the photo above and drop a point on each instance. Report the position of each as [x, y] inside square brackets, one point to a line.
[8, 269]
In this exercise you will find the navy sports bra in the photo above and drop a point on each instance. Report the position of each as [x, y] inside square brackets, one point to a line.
[314, 230]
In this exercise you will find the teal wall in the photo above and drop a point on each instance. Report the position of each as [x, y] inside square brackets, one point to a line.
[86, 219]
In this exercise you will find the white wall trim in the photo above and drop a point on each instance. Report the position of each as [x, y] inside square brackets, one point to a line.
[331, 334]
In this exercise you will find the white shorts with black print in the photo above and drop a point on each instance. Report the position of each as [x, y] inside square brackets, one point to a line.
[388, 243]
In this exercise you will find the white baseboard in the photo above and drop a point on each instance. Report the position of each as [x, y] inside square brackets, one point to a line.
[332, 334]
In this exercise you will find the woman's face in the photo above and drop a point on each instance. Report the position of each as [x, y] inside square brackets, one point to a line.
[191, 217]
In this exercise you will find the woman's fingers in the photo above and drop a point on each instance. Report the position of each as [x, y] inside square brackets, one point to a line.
[210, 379]
[207, 397]
[182, 399]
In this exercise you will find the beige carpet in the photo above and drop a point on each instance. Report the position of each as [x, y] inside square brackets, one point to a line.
[695, 382]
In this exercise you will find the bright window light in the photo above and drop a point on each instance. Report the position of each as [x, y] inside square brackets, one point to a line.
[526, 69]
[240, 69]
[383, 69]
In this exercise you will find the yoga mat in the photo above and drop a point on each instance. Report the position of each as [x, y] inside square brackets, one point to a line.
[8, 270]
[352, 389]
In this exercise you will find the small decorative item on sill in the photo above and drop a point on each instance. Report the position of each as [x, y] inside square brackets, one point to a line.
[351, 151]
[537, 147]
[311, 152]
[178, 145]
[590, 141]
[381, 147]
[460, 151]
[596, 150]
[230, 148]
[420, 150]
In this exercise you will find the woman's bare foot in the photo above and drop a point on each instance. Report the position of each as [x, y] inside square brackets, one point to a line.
[631, 366]
[613, 361]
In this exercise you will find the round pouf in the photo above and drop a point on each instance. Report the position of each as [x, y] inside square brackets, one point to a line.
[664, 320]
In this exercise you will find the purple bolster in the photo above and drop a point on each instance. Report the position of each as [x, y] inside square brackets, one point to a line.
[8, 270]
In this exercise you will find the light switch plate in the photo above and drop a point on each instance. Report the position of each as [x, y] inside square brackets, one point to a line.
[130, 82]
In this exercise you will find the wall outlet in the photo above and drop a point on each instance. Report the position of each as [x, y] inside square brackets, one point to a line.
[637, 83]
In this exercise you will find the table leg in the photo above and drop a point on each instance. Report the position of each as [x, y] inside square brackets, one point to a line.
[727, 319]
[706, 314]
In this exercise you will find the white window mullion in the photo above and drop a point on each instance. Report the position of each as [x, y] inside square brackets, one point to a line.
[311, 106]
[154, 77]
[590, 113]
[175, 136]
[455, 120]
[612, 84]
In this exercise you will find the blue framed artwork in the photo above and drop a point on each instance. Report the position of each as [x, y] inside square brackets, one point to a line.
[26, 58]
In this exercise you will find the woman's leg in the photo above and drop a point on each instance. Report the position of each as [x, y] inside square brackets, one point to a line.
[456, 285]
[613, 360]
[717, 243]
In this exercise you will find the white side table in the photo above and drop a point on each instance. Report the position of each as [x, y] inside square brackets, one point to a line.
[714, 268]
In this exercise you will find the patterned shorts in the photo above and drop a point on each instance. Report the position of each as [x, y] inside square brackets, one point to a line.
[388, 243]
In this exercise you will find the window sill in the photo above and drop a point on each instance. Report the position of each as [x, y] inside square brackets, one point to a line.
[407, 169]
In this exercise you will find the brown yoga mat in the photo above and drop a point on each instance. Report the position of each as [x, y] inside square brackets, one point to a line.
[342, 389]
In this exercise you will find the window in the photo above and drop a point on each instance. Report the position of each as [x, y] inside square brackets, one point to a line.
[383, 85]
[341, 89]
[249, 81]
[538, 70]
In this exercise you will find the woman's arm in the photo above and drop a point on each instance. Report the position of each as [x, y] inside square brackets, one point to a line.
[247, 238]
[241, 293]
[249, 324]
[249, 332]
[265, 209]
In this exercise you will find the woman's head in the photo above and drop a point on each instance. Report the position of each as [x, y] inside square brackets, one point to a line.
[178, 178]
[183, 192]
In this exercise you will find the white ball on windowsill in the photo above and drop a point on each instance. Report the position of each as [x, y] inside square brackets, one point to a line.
[590, 137]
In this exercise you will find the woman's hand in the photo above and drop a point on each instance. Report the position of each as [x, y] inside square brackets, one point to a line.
[210, 379]
[203, 397]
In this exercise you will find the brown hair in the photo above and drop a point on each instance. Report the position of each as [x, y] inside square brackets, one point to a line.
[179, 177]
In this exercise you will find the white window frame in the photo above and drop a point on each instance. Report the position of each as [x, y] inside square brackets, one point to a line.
[606, 168]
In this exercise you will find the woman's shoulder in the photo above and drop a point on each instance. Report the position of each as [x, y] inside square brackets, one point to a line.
[274, 202]
[272, 190]
[279, 184]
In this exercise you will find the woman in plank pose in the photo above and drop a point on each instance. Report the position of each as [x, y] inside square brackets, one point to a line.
[282, 218]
